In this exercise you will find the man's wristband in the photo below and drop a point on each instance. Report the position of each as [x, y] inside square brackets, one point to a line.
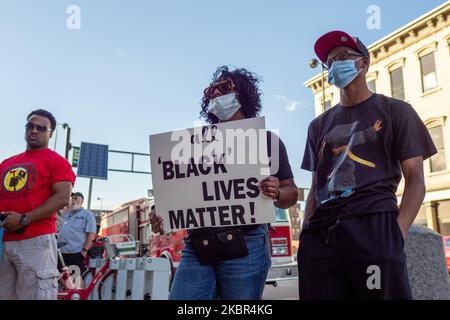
[84, 249]
[24, 220]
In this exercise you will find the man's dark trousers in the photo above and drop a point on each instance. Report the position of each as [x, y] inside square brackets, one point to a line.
[360, 257]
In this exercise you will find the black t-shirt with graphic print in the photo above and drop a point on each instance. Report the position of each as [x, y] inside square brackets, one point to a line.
[356, 153]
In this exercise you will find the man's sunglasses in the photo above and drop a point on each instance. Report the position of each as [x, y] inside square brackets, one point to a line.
[341, 56]
[219, 89]
[41, 129]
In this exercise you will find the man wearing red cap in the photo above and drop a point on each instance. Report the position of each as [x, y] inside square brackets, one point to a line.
[351, 246]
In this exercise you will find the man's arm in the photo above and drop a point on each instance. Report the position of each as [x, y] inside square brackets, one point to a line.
[60, 197]
[310, 206]
[413, 194]
[88, 243]
[91, 232]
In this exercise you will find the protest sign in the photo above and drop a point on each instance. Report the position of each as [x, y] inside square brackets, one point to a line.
[208, 176]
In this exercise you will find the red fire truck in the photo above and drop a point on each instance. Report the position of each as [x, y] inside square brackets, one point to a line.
[133, 218]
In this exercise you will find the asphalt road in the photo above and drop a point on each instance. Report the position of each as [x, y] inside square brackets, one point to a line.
[286, 290]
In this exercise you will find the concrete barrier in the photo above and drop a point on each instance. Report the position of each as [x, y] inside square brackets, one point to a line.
[427, 268]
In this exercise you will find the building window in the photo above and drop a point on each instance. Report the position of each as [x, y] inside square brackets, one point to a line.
[444, 217]
[397, 85]
[428, 70]
[372, 85]
[438, 161]
[327, 105]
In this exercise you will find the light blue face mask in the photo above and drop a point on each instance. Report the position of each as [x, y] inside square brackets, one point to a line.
[224, 107]
[342, 73]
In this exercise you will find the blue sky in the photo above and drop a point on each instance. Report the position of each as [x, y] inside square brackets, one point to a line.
[139, 67]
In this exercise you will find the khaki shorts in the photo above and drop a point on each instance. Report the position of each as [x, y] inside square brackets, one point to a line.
[28, 269]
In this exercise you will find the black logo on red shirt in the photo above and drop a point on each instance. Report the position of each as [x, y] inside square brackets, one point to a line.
[18, 177]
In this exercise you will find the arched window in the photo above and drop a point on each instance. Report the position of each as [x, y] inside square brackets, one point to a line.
[428, 66]
[396, 75]
[435, 126]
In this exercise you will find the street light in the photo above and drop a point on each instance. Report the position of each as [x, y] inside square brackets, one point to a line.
[314, 63]
[67, 144]
[101, 205]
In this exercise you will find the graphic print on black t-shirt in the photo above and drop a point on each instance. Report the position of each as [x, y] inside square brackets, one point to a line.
[357, 151]
[336, 154]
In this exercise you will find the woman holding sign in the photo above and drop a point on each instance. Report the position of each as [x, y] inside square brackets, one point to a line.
[207, 270]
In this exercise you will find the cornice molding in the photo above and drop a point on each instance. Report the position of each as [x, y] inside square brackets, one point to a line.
[372, 76]
[435, 122]
[396, 64]
[426, 49]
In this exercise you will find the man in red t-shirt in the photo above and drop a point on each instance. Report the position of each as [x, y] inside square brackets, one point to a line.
[33, 186]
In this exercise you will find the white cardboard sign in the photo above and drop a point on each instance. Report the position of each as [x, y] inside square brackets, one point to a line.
[208, 176]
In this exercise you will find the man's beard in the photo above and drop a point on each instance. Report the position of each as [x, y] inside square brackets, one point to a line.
[76, 207]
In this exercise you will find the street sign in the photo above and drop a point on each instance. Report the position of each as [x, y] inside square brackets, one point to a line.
[93, 161]
[75, 156]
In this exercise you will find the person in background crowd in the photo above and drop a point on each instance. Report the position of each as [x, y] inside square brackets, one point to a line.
[357, 152]
[232, 95]
[33, 186]
[78, 230]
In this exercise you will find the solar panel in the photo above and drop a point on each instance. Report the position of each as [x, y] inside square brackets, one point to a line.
[93, 161]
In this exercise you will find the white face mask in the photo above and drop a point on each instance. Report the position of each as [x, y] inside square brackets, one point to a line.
[224, 107]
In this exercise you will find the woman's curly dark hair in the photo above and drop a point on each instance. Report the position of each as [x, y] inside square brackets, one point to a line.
[246, 84]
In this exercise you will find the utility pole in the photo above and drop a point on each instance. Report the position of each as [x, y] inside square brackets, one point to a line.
[101, 204]
[68, 145]
[91, 180]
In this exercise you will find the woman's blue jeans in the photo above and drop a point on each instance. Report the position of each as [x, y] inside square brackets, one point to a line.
[236, 279]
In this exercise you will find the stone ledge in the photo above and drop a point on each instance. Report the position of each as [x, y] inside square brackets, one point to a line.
[427, 269]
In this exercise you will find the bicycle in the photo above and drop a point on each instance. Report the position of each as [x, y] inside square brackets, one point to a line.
[99, 276]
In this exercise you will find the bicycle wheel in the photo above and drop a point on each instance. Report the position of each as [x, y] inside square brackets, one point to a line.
[106, 288]
[87, 276]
